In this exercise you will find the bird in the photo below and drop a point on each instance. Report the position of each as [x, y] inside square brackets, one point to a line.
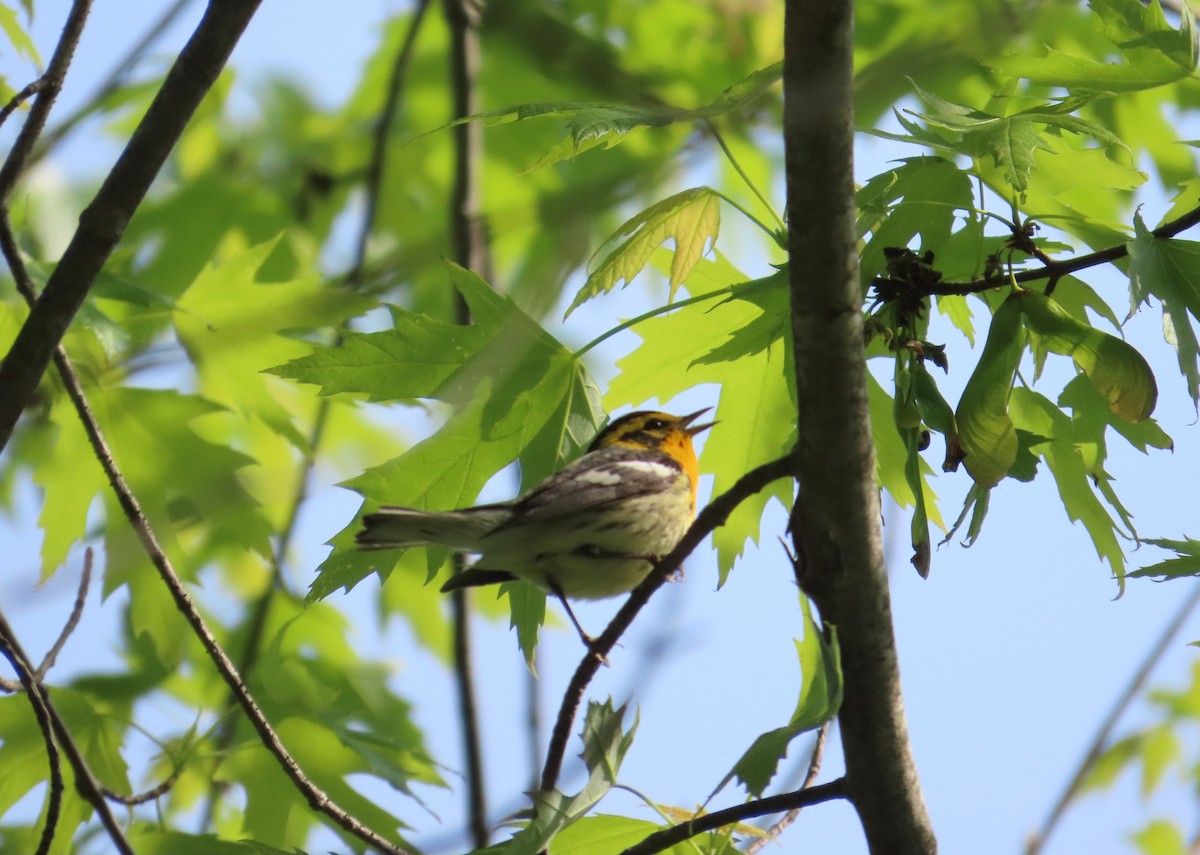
[590, 531]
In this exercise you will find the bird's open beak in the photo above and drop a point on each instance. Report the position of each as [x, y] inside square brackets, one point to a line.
[695, 429]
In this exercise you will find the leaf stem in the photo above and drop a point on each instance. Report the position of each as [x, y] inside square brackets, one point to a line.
[645, 316]
[712, 128]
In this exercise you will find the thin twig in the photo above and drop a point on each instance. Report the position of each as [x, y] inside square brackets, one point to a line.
[379, 143]
[85, 781]
[468, 711]
[1100, 740]
[73, 619]
[20, 98]
[29, 682]
[146, 796]
[1053, 270]
[256, 624]
[317, 799]
[814, 769]
[668, 837]
[51, 84]
[713, 516]
[470, 247]
[54, 135]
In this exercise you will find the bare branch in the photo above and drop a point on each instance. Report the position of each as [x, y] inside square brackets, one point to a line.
[85, 581]
[1099, 742]
[660, 841]
[836, 519]
[814, 769]
[85, 781]
[470, 246]
[103, 222]
[712, 517]
[143, 797]
[50, 85]
[20, 98]
[29, 682]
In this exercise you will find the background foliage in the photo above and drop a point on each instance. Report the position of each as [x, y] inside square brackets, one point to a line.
[250, 338]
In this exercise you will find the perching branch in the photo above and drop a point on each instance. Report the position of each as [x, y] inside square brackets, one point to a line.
[660, 841]
[148, 796]
[836, 519]
[85, 781]
[103, 222]
[712, 517]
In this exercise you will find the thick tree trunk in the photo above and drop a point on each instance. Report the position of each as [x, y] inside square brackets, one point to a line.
[836, 521]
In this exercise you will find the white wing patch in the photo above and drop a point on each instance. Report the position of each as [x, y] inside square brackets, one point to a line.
[649, 467]
[601, 477]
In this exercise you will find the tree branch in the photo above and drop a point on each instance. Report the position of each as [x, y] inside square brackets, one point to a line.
[103, 222]
[50, 85]
[660, 841]
[469, 241]
[85, 580]
[29, 682]
[1052, 270]
[85, 781]
[836, 519]
[712, 517]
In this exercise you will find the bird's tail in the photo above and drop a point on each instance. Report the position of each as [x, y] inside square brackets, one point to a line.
[394, 528]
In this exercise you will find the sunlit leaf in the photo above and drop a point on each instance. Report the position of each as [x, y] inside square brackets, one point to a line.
[691, 219]
[1116, 369]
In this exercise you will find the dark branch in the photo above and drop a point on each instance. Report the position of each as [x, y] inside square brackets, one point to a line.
[709, 519]
[103, 222]
[668, 837]
[85, 781]
[1052, 270]
[85, 581]
[48, 87]
[835, 523]
[20, 98]
[29, 682]
[470, 249]
[143, 797]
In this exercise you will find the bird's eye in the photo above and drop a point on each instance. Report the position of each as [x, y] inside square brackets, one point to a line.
[655, 424]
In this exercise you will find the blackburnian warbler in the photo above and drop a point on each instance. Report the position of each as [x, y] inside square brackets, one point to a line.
[592, 530]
